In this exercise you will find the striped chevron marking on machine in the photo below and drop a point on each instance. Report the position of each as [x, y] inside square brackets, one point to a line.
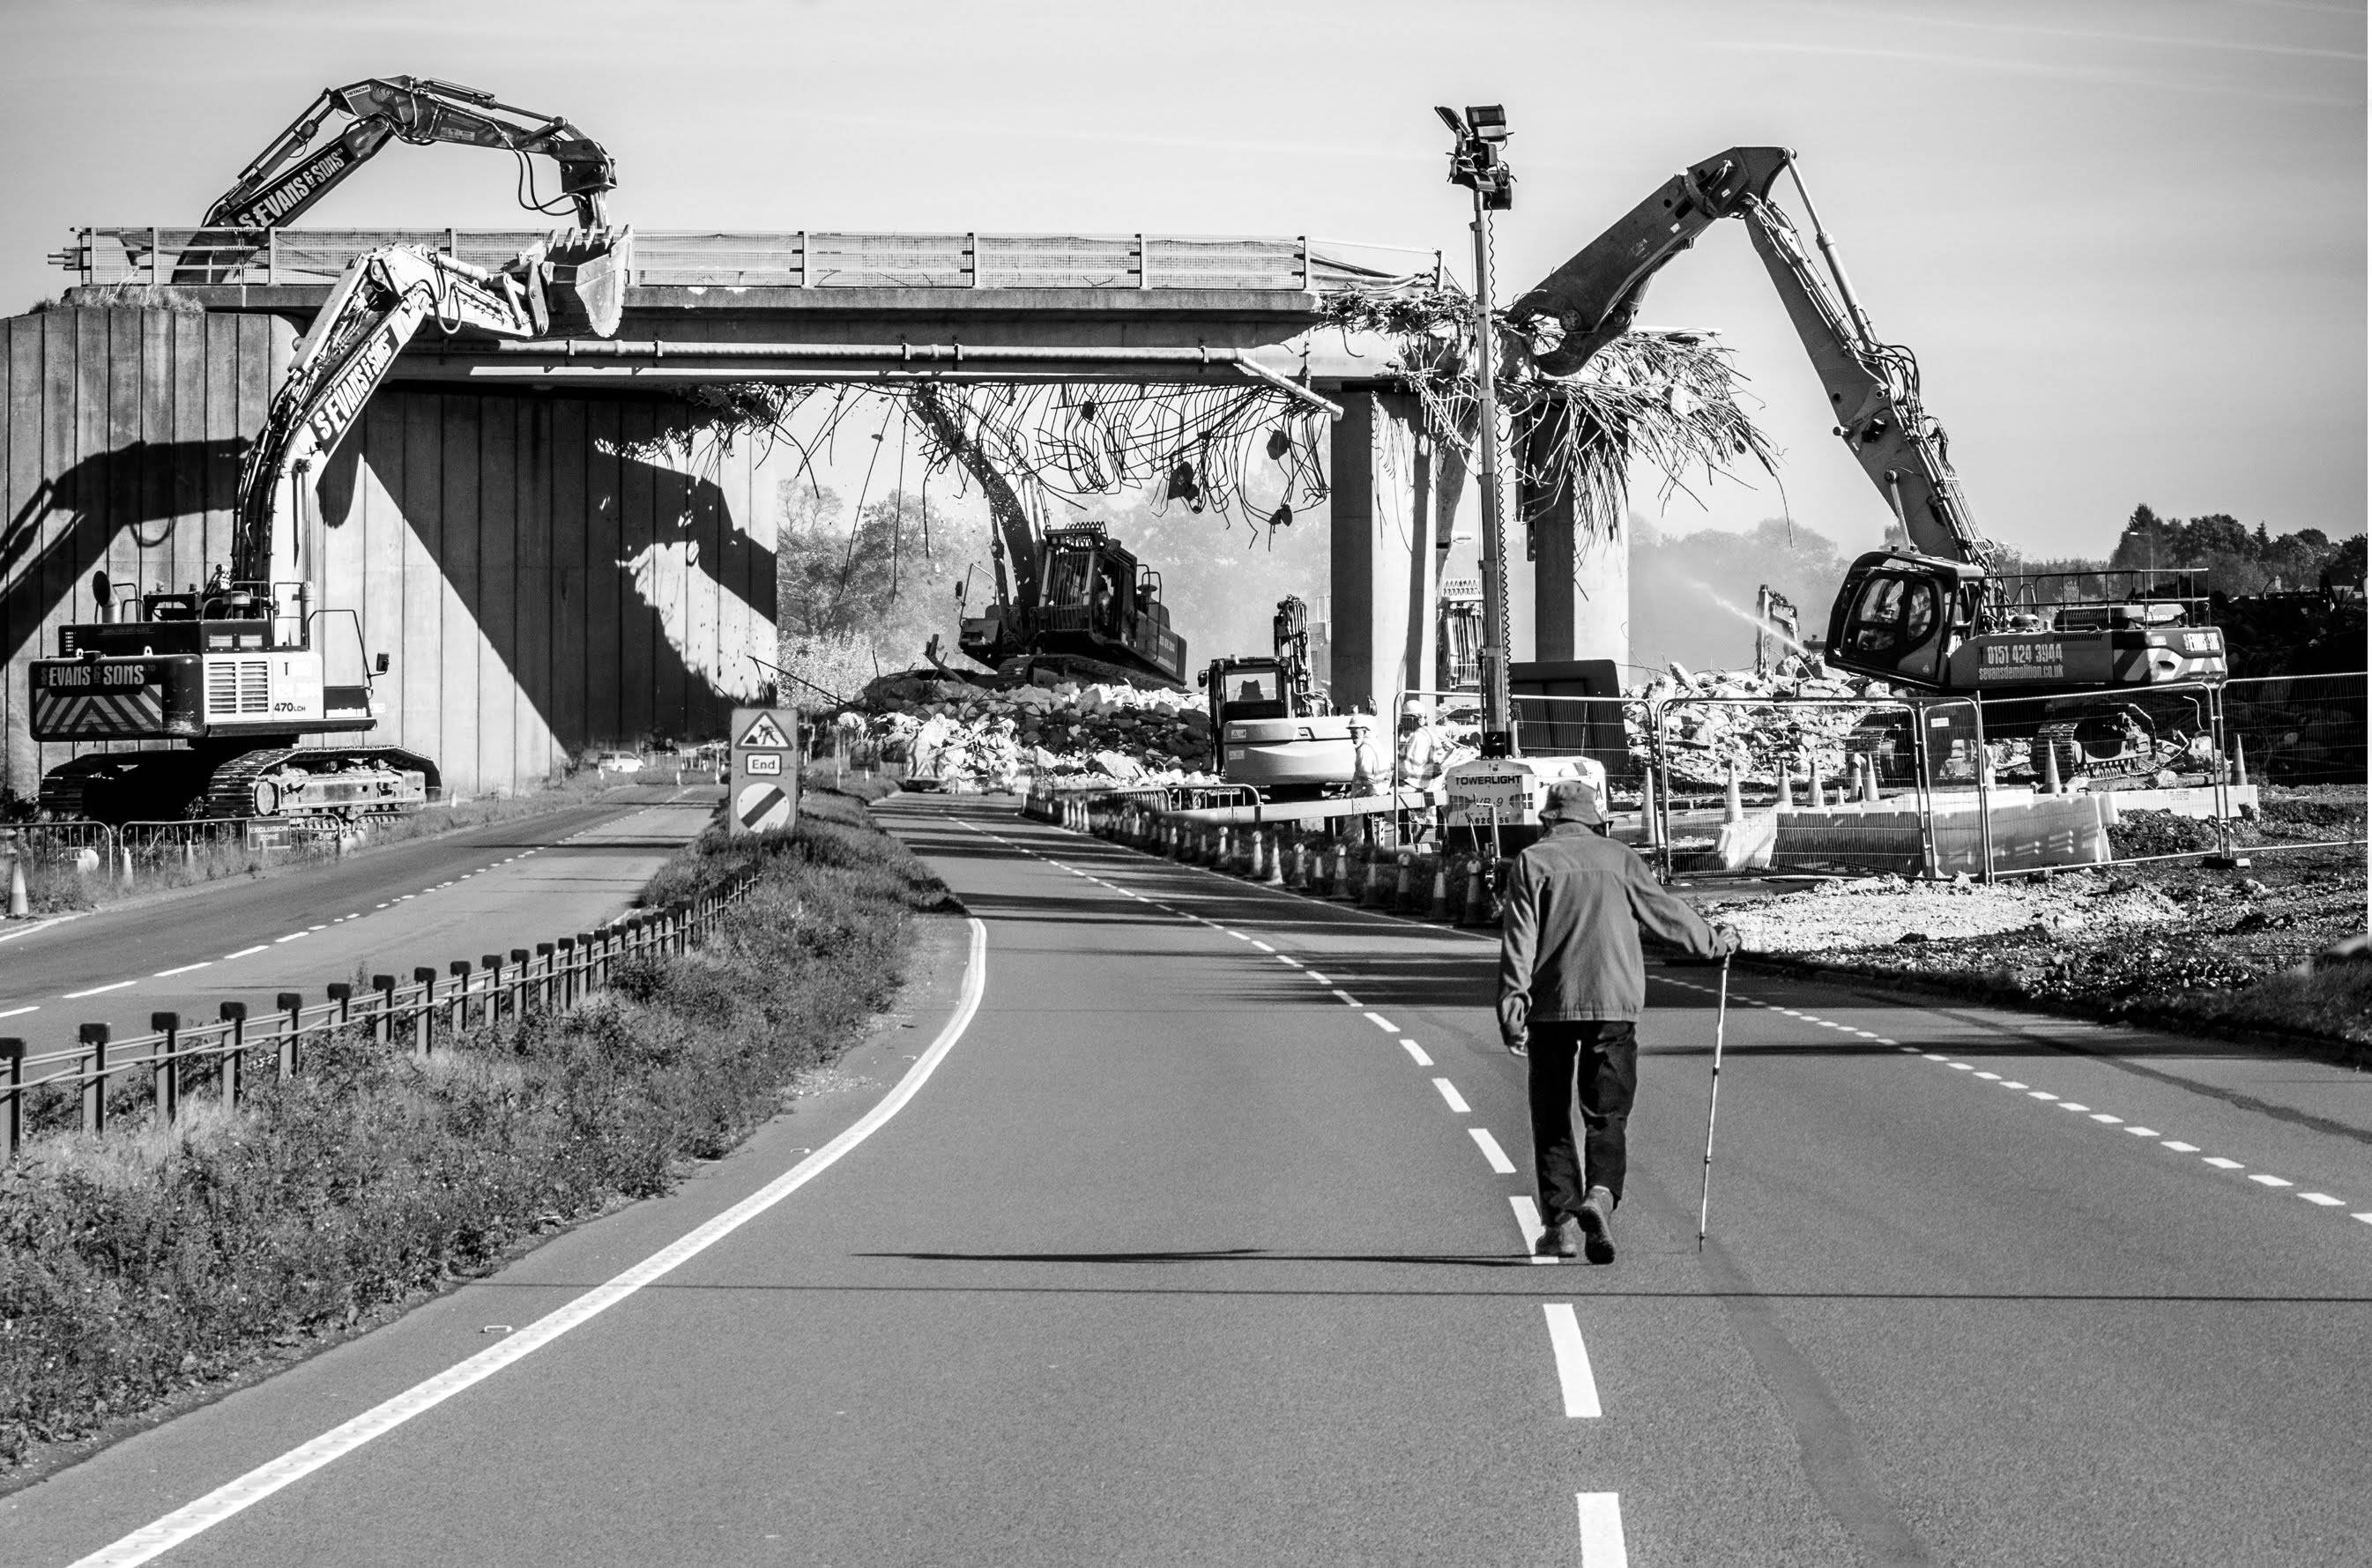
[136, 712]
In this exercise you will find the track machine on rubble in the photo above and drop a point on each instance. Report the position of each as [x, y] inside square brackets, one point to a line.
[1078, 604]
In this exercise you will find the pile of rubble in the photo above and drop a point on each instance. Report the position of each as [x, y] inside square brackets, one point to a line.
[1881, 911]
[1745, 720]
[972, 737]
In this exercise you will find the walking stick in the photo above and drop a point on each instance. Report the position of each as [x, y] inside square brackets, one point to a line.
[1720, 1026]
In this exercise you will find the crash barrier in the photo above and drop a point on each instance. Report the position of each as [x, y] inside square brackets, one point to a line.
[181, 1059]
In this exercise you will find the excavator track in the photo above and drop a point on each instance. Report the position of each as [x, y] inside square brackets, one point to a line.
[252, 783]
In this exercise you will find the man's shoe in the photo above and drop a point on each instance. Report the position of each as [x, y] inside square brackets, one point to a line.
[1597, 1223]
[1562, 1240]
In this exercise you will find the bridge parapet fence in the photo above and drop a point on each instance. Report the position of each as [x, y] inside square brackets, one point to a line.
[181, 1061]
[752, 259]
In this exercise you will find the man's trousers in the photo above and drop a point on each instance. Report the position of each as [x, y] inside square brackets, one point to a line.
[1599, 1064]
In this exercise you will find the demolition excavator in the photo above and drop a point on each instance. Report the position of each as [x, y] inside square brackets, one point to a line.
[347, 127]
[239, 672]
[1938, 618]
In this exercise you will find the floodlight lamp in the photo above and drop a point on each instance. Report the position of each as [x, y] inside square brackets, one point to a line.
[1450, 118]
[1489, 120]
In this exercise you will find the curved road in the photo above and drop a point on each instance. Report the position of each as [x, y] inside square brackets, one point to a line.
[1205, 1242]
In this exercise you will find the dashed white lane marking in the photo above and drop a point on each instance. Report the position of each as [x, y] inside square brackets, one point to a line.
[2071, 1105]
[1346, 997]
[1383, 1023]
[1417, 1052]
[1994, 1076]
[1529, 1227]
[1238, 936]
[2324, 1200]
[1579, 1387]
[2039, 1094]
[1601, 1530]
[155, 1540]
[98, 989]
[1316, 976]
[1962, 1067]
[1450, 1092]
[243, 952]
[2261, 1179]
[2179, 1146]
[2012, 1084]
[292, 936]
[1262, 945]
[21, 1012]
[1491, 1151]
[2365, 1217]
[1281, 959]
[2104, 1116]
[323, 926]
[380, 906]
[167, 974]
[2141, 1132]
[2220, 1163]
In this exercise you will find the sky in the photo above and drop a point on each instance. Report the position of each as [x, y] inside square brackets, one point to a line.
[2127, 240]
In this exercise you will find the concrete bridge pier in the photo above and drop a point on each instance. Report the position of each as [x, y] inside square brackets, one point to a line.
[1580, 583]
[1390, 477]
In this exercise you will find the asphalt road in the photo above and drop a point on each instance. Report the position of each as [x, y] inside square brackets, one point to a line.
[1199, 1244]
[385, 911]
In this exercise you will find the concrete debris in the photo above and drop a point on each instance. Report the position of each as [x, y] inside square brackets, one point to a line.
[1066, 735]
[1742, 721]
[1880, 912]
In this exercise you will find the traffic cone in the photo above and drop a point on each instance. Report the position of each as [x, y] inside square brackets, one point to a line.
[20, 904]
[2239, 761]
[1276, 878]
[1478, 896]
[1401, 883]
[1869, 779]
[2051, 783]
[1733, 804]
[1437, 908]
[1813, 791]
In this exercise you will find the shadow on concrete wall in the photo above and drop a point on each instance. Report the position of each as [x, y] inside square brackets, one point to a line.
[148, 489]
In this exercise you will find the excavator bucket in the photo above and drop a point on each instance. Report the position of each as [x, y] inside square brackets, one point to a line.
[590, 270]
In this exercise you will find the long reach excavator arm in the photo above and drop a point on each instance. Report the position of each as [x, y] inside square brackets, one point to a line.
[298, 169]
[572, 286]
[1940, 616]
[1873, 386]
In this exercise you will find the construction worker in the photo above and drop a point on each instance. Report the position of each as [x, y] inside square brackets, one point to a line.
[1570, 987]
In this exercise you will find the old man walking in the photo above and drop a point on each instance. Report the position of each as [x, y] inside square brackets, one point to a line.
[1572, 984]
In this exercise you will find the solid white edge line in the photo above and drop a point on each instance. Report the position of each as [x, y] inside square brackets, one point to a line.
[97, 990]
[1491, 1151]
[221, 1503]
[1601, 1516]
[21, 1012]
[1572, 1361]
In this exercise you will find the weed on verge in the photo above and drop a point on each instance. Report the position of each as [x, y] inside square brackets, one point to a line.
[140, 1264]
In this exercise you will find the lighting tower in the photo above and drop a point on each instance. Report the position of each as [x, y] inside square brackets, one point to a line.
[1475, 163]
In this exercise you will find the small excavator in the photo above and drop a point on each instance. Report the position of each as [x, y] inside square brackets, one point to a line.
[300, 167]
[241, 670]
[1938, 618]
[1273, 727]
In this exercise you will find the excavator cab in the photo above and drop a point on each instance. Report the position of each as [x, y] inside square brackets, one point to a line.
[1899, 616]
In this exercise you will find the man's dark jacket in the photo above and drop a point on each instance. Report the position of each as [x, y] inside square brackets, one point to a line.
[1569, 943]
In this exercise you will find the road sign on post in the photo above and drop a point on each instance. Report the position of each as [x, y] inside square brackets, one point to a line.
[764, 793]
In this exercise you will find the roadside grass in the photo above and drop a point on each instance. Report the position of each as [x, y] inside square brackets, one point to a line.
[154, 1262]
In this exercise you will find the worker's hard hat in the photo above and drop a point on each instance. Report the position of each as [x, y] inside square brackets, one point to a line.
[1572, 800]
